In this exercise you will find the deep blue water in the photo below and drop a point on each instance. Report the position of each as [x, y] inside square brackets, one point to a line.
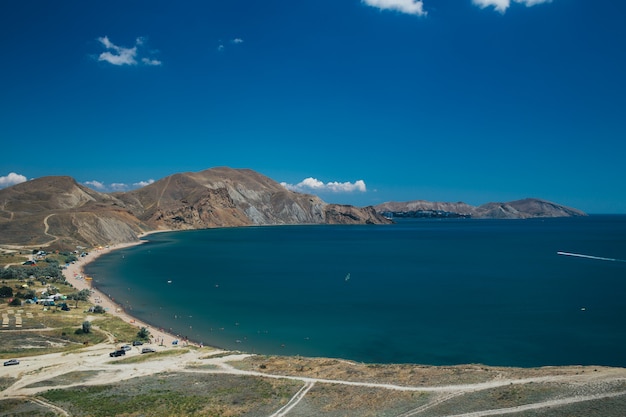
[420, 291]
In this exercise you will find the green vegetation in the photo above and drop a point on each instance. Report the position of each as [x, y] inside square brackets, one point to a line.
[8, 258]
[49, 271]
[6, 292]
[143, 334]
[177, 395]
[82, 295]
[86, 326]
[118, 328]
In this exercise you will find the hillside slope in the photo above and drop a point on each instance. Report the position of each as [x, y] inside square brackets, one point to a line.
[59, 212]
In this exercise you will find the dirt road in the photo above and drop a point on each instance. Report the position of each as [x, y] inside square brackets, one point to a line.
[40, 373]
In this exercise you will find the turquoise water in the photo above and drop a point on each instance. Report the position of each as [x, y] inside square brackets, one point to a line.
[420, 291]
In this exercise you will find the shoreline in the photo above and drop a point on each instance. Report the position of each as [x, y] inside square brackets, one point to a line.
[75, 275]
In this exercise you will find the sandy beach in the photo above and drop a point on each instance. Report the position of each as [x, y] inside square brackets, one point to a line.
[75, 275]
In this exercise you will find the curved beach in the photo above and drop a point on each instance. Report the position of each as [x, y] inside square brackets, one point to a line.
[75, 275]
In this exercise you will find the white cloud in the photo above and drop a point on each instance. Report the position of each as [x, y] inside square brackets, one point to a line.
[96, 184]
[11, 179]
[502, 5]
[221, 45]
[119, 55]
[529, 3]
[143, 183]
[118, 186]
[313, 184]
[149, 61]
[415, 7]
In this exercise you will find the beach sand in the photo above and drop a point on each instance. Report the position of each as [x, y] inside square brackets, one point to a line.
[75, 275]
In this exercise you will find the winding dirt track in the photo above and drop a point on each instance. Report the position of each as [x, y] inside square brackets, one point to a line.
[33, 372]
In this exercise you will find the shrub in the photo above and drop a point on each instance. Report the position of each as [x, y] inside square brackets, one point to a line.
[86, 326]
[143, 333]
[6, 292]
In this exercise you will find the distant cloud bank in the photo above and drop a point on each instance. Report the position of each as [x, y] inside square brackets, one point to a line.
[313, 184]
[11, 179]
[416, 7]
[119, 55]
[116, 186]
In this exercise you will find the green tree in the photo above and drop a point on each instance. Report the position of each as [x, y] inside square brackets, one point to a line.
[82, 295]
[70, 258]
[143, 333]
[6, 292]
[86, 326]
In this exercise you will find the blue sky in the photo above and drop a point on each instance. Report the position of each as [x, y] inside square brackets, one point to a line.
[361, 102]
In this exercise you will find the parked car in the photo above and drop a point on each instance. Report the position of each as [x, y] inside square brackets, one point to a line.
[137, 343]
[120, 352]
[126, 348]
[148, 350]
[12, 362]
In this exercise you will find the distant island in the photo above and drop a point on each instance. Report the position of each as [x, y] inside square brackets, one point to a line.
[58, 212]
[519, 209]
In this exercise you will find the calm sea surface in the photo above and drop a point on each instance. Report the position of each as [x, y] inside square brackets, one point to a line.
[420, 291]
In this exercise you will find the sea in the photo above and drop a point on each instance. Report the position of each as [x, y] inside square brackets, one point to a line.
[525, 293]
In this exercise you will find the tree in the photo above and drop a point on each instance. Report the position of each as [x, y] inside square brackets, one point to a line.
[86, 326]
[70, 258]
[6, 292]
[82, 295]
[143, 333]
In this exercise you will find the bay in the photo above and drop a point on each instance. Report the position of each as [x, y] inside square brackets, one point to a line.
[436, 292]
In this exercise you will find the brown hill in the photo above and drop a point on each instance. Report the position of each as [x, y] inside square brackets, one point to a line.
[59, 212]
[520, 209]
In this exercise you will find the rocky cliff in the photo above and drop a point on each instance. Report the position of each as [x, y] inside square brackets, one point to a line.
[59, 212]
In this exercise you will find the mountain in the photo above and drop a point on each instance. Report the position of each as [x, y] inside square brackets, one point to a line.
[58, 212]
[519, 209]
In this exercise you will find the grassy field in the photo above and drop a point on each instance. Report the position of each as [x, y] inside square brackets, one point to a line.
[178, 395]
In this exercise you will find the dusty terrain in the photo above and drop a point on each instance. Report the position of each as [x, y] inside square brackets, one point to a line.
[281, 386]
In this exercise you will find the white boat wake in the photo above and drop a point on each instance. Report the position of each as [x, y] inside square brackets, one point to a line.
[599, 258]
